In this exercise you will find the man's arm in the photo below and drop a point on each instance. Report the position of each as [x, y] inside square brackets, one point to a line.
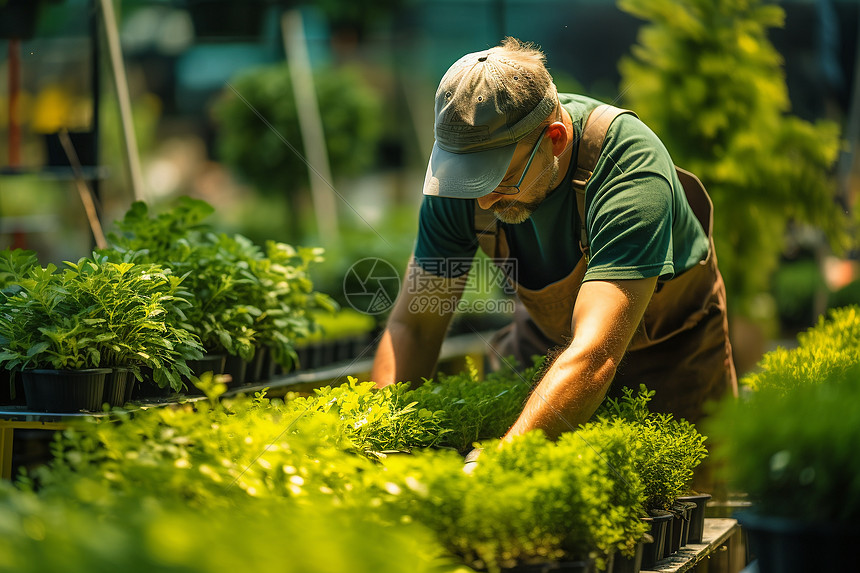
[605, 318]
[410, 344]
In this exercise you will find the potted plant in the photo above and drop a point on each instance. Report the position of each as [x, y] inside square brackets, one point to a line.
[375, 421]
[239, 297]
[48, 336]
[342, 335]
[672, 449]
[529, 505]
[141, 305]
[97, 314]
[289, 305]
[790, 445]
[14, 265]
[476, 408]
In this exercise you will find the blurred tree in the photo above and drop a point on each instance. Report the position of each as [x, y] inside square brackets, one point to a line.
[258, 132]
[705, 77]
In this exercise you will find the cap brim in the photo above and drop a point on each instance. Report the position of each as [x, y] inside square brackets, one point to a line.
[466, 175]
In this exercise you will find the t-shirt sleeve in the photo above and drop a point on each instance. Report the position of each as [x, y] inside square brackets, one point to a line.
[630, 206]
[446, 242]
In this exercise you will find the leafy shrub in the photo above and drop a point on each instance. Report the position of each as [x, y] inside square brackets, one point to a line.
[530, 500]
[209, 455]
[145, 535]
[96, 313]
[477, 409]
[824, 352]
[375, 420]
[240, 296]
[668, 449]
[792, 445]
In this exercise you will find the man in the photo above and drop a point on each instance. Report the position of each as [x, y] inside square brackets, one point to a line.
[631, 294]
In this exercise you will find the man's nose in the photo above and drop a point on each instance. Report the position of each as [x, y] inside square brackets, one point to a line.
[488, 200]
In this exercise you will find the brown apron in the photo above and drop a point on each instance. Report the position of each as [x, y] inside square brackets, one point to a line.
[680, 349]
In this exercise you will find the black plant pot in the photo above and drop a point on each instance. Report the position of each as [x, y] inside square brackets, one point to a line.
[697, 516]
[673, 535]
[624, 564]
[213, 363]
[783, 545]
[236, 369]
[685, 510]
[147, 388]
[116, 386]
[11, 389]
[660, 530]
[258, 370]
[64, 390]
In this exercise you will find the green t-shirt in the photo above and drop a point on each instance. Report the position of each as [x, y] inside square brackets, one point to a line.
[638, 221]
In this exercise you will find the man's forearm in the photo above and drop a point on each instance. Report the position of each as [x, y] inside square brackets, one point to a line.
[568, 394]
[404, 356]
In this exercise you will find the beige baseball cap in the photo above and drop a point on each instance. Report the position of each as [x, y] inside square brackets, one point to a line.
[480, 118]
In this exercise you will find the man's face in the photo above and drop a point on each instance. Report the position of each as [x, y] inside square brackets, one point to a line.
[512, 206]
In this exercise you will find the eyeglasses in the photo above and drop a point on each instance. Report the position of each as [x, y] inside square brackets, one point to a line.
[514, 189]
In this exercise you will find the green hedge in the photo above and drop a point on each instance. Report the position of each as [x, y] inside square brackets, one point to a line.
[791, 443]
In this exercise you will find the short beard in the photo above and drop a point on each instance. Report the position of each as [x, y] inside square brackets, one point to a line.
[514, 212]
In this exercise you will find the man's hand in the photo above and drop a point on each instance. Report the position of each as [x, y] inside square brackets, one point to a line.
[470, 462]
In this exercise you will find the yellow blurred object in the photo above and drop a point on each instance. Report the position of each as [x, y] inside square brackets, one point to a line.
[51, 110]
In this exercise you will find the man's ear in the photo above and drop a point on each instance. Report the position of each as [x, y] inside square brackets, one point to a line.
[559, 136]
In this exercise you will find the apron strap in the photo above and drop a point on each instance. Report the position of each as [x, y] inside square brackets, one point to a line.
[698, 199]
[487, 231]
[588, 153]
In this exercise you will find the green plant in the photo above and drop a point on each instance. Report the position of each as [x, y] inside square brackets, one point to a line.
[135, 303]
[528, 501]
[145, 534]
[824, 352]
[791, 446]
[14, 264]
[477, 409]
[96, 313]
[41, 326]
[240, 297]
[214, 454]
[669, 449]
[255, 148]
[291, 308]
[376, 420]
[706, 78]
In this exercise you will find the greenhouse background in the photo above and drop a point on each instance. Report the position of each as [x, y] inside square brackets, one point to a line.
[298, 131]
